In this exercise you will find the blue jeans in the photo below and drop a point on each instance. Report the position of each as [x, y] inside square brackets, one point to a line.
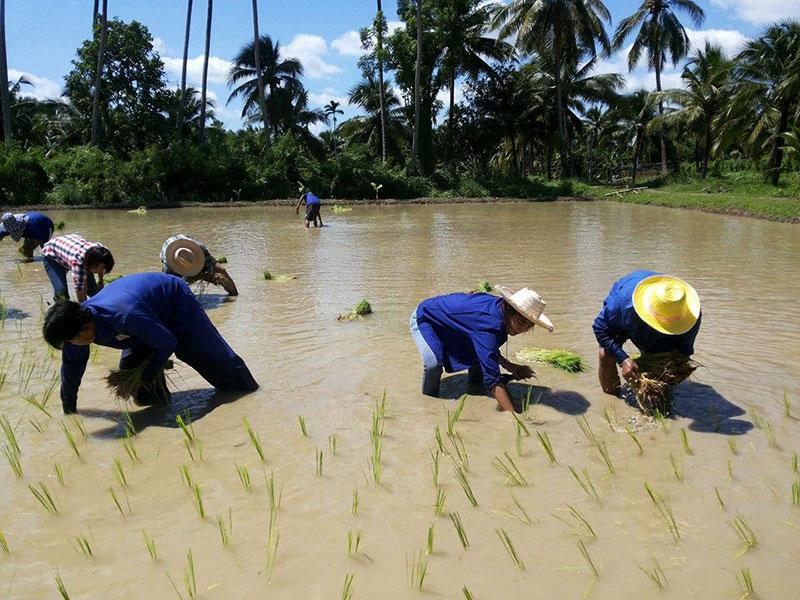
[58, 279]
[431, 368]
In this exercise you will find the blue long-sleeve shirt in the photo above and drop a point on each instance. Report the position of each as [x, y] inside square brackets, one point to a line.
[147, 309]
[36, 226]
[464, 330]
[618, 322]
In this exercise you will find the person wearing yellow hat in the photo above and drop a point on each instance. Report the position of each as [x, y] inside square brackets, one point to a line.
[658, 313]
[189, 259]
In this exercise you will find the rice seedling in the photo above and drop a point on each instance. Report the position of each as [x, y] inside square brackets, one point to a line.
[150, 544]
[8, 431]
[130, 449]
[225, 529]
[81, 545]
[361, 309]
[745, 580]
[332, 444]
[319, 463]
[353, 542]
[189, 578]
[587, 431]
[437, 434]
[435, 467]
[244, 477]
[78, 422]
[36, 425]
[438, 507]
[654, 574]
[197, 498]
[635, 439]
[375, 460]
[730, 470]
[429, 545]
[745, 533]
[585, 483]
[4, 547]
[732, 446]
[505, 539]
[42, 495]
[302, 420]
[603, 450]
[453, 418]
[544, 440]
[186, 427]
[580, 524]
[719, 498]
[795, 462]
[685, 442]
[116, 501]
[664, 511]
[356, 501]
[254, 439]
[676, 468]
[459, 450]
[519, 441]
[461, 476]
[455, 518]
[796, 493]
[12, 457]
[38, 405]
[70, 439]
[129, 427]
[467, 594]
[273, 537]
[62, 590]
[559, 358]
[274, 500]
[588, 558]
[417, 568]
[186, 477]
[787, 404]
[508, 468]
[347, 588]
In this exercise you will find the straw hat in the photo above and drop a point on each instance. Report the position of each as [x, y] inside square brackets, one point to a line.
[185, 257]
[13, 226]
[667, 304]
[528, 303]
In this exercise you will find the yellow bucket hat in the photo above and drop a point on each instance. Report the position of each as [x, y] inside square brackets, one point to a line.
[667, 304]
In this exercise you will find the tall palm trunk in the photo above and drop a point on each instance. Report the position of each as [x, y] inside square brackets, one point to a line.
[98, 76]
[776, 155]
[450, 121]
[259, 75]
[204, 88]
[706, 150]
[637, 150]
[563, 135]
[662, 140]
[417, 89]
[182, 103]
[381, 90]
[95, 11]
[5, 96]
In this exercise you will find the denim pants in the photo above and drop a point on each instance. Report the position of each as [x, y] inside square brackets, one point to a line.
[58, 279]
[431, 367]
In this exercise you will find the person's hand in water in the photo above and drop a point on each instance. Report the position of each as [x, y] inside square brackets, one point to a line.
[521, 371]
[630, 370]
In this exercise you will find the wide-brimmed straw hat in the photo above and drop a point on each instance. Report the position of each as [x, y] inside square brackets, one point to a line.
[667, 304]
[185, 257]
[13, 226]
[527, 303]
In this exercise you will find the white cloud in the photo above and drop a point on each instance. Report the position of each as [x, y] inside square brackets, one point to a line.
[309, 50]
[328, 94]
[42, 89]
[730, 39]
[393, 26]
[218, 69]
[761, 12]
[348, 44]
[444, 97]
[160, 46]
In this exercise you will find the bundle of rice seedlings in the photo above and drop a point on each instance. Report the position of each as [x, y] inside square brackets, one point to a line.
[339, 209]
[223, 260]
[110, 278]
[483, 286]
[559, 358]
[126, 383]
[659, 372]
[59, 226]
[279, 277]
[361, 309]
[142, 210]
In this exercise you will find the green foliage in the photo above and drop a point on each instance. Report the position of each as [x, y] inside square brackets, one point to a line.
[22, 178]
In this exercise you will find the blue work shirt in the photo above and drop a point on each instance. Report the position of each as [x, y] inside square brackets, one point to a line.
[38, 227]
[618, 322]
[311, 198]
[464, 330]
[149, 309]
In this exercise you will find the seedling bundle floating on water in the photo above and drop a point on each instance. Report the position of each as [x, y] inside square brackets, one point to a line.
[278, 277]
[361, 309]
[561, 359]
[338, 209]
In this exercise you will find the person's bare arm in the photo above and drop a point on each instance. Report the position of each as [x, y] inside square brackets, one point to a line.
[299, 202]
[518, 371]
[500, 394]
[81, 294]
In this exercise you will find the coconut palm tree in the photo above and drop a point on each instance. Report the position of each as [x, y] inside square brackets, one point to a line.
[188, 103]
[98, 76]
[563, 29]
[182, 99]
[369, 129]
[257, 64]
[292, 115]
[661, 35]
[276, 74]
[417, 90]
[332, 109]
[206, 55]
[5, 96]
[380, 29]
[633, 114]
[706, 79]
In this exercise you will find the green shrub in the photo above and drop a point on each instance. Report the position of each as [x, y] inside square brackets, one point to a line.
[22, 178]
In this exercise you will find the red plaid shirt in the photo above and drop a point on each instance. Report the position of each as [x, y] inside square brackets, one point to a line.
[69, 251]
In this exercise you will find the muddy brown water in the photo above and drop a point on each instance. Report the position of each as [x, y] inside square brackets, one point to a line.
[334, 373]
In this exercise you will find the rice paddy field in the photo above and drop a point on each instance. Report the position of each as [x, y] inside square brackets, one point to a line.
[338, 479]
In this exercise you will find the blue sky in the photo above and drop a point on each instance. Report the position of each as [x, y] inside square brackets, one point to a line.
[42, 36]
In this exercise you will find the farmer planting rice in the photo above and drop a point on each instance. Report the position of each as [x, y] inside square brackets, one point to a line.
[312, 209]
[661, 315]
[33, 228]
[149, 317]
[73, 254]
[466, 331]
[185, 257]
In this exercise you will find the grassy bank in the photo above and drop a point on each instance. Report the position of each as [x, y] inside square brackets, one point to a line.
[734, 193]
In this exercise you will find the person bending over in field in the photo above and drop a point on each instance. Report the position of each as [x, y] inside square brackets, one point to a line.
[466, 331]
[33, 228]
[185, 257]
[73, 254]
[658, 313]
[313, 205]
[149, 316]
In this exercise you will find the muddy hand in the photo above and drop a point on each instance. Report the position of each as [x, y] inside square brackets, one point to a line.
[630, 370]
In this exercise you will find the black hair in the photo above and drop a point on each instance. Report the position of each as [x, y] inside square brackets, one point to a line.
[63, 322]
[99, 254]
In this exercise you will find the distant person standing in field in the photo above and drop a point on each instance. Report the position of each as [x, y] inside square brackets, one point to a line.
[33, 228]
[73, 254]
[312, 209]
[187, 258]
[658, 313]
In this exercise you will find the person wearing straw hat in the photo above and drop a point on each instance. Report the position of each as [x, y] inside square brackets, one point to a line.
[466, 331]
[149, 316]
[33, 228]
[658, 313]
[185, 257]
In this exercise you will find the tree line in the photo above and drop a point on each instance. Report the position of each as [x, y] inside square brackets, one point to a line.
[535, 118]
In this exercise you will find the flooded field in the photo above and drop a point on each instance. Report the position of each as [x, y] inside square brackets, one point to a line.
[353, 481]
